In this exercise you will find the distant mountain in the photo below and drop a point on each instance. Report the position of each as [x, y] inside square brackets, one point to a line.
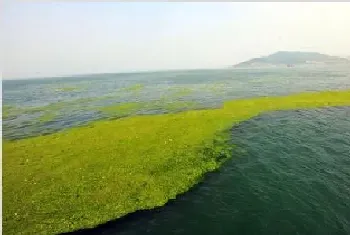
[293, 58]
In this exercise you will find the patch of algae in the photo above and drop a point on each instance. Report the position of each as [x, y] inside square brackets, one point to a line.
[85, 176]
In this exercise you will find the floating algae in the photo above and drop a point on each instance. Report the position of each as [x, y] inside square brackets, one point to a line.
[85, 176]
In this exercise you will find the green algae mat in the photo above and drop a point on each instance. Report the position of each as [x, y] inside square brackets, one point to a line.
[84, 176]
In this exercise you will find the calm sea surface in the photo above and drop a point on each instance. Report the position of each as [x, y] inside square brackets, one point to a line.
[41, 106]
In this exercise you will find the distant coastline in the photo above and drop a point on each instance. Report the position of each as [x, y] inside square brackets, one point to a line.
[290, 59]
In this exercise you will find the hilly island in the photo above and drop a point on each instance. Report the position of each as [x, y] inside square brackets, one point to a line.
[293, 59]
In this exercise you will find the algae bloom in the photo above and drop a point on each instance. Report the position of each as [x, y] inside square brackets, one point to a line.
[84, 176]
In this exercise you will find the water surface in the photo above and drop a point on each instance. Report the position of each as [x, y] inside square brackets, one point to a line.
[51, 104]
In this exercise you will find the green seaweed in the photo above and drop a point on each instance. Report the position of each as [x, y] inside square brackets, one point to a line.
[134, 88]
[47, 116]
[12, 111]
[131, 108]
[121, 110]
[216, 88]
[9, 111]
[66, 89]
[85, 176]
[47, 111]
[180, 91]
[175, 106]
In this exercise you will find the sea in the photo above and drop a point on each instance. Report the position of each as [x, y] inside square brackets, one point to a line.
[290, 172]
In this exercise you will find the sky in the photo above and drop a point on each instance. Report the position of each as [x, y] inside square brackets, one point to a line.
[66, 38]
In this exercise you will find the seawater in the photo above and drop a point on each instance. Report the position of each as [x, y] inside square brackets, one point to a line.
[77, 100]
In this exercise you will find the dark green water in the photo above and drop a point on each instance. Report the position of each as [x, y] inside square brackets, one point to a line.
[289, 175]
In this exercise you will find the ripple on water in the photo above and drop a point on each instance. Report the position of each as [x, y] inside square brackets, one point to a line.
[207, 88]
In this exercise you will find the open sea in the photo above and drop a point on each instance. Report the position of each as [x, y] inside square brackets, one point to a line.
[290, 173]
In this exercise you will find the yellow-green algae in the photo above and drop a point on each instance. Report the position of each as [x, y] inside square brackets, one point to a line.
[180, 91]
[84, 176]
[50, 111]
[216, 88]
[47, 117]
[9, 111]
[174, 106]
[131, 108]
[123, 109]
[134, 88]
[66, 89]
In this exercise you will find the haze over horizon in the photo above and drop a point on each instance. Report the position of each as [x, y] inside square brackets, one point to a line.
[60, 39]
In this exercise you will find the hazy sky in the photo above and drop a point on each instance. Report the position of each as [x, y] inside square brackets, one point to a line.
[52, 39]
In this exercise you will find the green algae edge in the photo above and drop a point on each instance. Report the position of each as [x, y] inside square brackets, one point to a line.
[85, 176]
[131, 108]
